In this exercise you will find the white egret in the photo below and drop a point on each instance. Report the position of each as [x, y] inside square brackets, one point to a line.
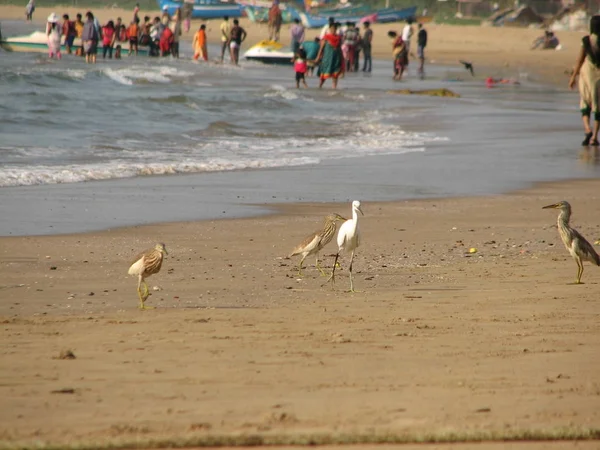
[348, 239]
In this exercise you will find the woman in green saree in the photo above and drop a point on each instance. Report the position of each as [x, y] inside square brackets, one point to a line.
[330, 56]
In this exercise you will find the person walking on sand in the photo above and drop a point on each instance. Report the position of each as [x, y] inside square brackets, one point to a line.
[587, 68]
[225, 29]
[236, 37]
[330, 57]
[421, 44]
[54, 34]
[133, 33]
[275, 21]
[29, 9]
[367, 41]
[199, 44]
[90, 37]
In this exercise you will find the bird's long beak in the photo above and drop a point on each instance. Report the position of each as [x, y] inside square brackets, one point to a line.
[554, 205]
[165, 250]
[361, 211]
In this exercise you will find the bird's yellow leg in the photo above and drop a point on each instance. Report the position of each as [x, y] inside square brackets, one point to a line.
[332, 277]
[579, 271]
[300, 266]
[323, 274]
[145, 297]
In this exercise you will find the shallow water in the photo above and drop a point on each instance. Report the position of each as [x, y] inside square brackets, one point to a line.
[236, 136]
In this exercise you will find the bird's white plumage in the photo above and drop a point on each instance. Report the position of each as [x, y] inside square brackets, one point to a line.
[137, 268]
[348, 237]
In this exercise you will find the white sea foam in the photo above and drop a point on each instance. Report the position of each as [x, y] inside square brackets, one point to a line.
[106, 171]
[131, 75]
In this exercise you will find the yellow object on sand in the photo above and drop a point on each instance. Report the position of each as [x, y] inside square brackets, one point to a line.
[472, 250]
[443, 92]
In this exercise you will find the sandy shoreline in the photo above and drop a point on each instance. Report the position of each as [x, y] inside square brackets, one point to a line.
[437, 341]
[494, 51]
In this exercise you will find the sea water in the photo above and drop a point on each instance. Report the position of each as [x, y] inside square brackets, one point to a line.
[86, 147]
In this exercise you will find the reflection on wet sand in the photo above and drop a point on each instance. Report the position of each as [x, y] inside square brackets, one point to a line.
[590, 155]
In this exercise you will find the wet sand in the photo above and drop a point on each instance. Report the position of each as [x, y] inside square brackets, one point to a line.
[503, 51]
[439, 343]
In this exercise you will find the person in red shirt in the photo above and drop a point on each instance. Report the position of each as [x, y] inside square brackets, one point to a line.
[166, 41]
[69, 32]
[108, 39]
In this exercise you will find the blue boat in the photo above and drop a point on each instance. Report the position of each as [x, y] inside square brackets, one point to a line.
[205, 9]
[383, 16]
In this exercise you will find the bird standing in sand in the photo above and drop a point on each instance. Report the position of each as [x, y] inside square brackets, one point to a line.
[580, 249]
[468, 66]
[146, 264]
[314, 242]
[348, 239]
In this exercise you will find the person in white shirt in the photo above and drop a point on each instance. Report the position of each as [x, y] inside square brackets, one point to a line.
[407, 33]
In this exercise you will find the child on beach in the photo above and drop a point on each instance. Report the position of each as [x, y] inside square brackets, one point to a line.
[118, 52]
[199, 44]
[300, 67]
[133, 33]
[400, 54]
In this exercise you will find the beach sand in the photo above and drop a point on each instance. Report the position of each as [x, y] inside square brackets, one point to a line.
[494, 51]
[438, 340]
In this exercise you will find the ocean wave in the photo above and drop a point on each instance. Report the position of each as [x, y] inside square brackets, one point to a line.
[108, 171]
[143, 74]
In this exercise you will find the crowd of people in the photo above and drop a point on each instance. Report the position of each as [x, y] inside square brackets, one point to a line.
[335, 51]
[161, 35]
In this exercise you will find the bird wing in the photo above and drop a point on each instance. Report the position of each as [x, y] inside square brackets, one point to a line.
[586, 250]
[138, 266]
[309, 243]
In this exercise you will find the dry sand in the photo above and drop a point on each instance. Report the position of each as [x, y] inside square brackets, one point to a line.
[438, 341]
[494, 51]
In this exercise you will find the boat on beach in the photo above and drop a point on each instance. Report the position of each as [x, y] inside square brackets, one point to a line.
[37, 42]
[205, 9]
[270, 52]
[383, 16]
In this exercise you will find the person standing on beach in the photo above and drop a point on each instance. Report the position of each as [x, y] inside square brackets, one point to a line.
[68, 28]
[407, 33]
[90, 37]
[199, 44]
[350, 41]
[79, 25]
[330, 57]
[108, 39]
[54, 34]
[188, 10]
[225, 31]
[236, 37]
[133, 33]
[399, 52]
[29, 9]
[421, 44]
[155, 34]
[275, 21]
[176, 29]
[367, 41]
[296, 35]
[587, 68]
